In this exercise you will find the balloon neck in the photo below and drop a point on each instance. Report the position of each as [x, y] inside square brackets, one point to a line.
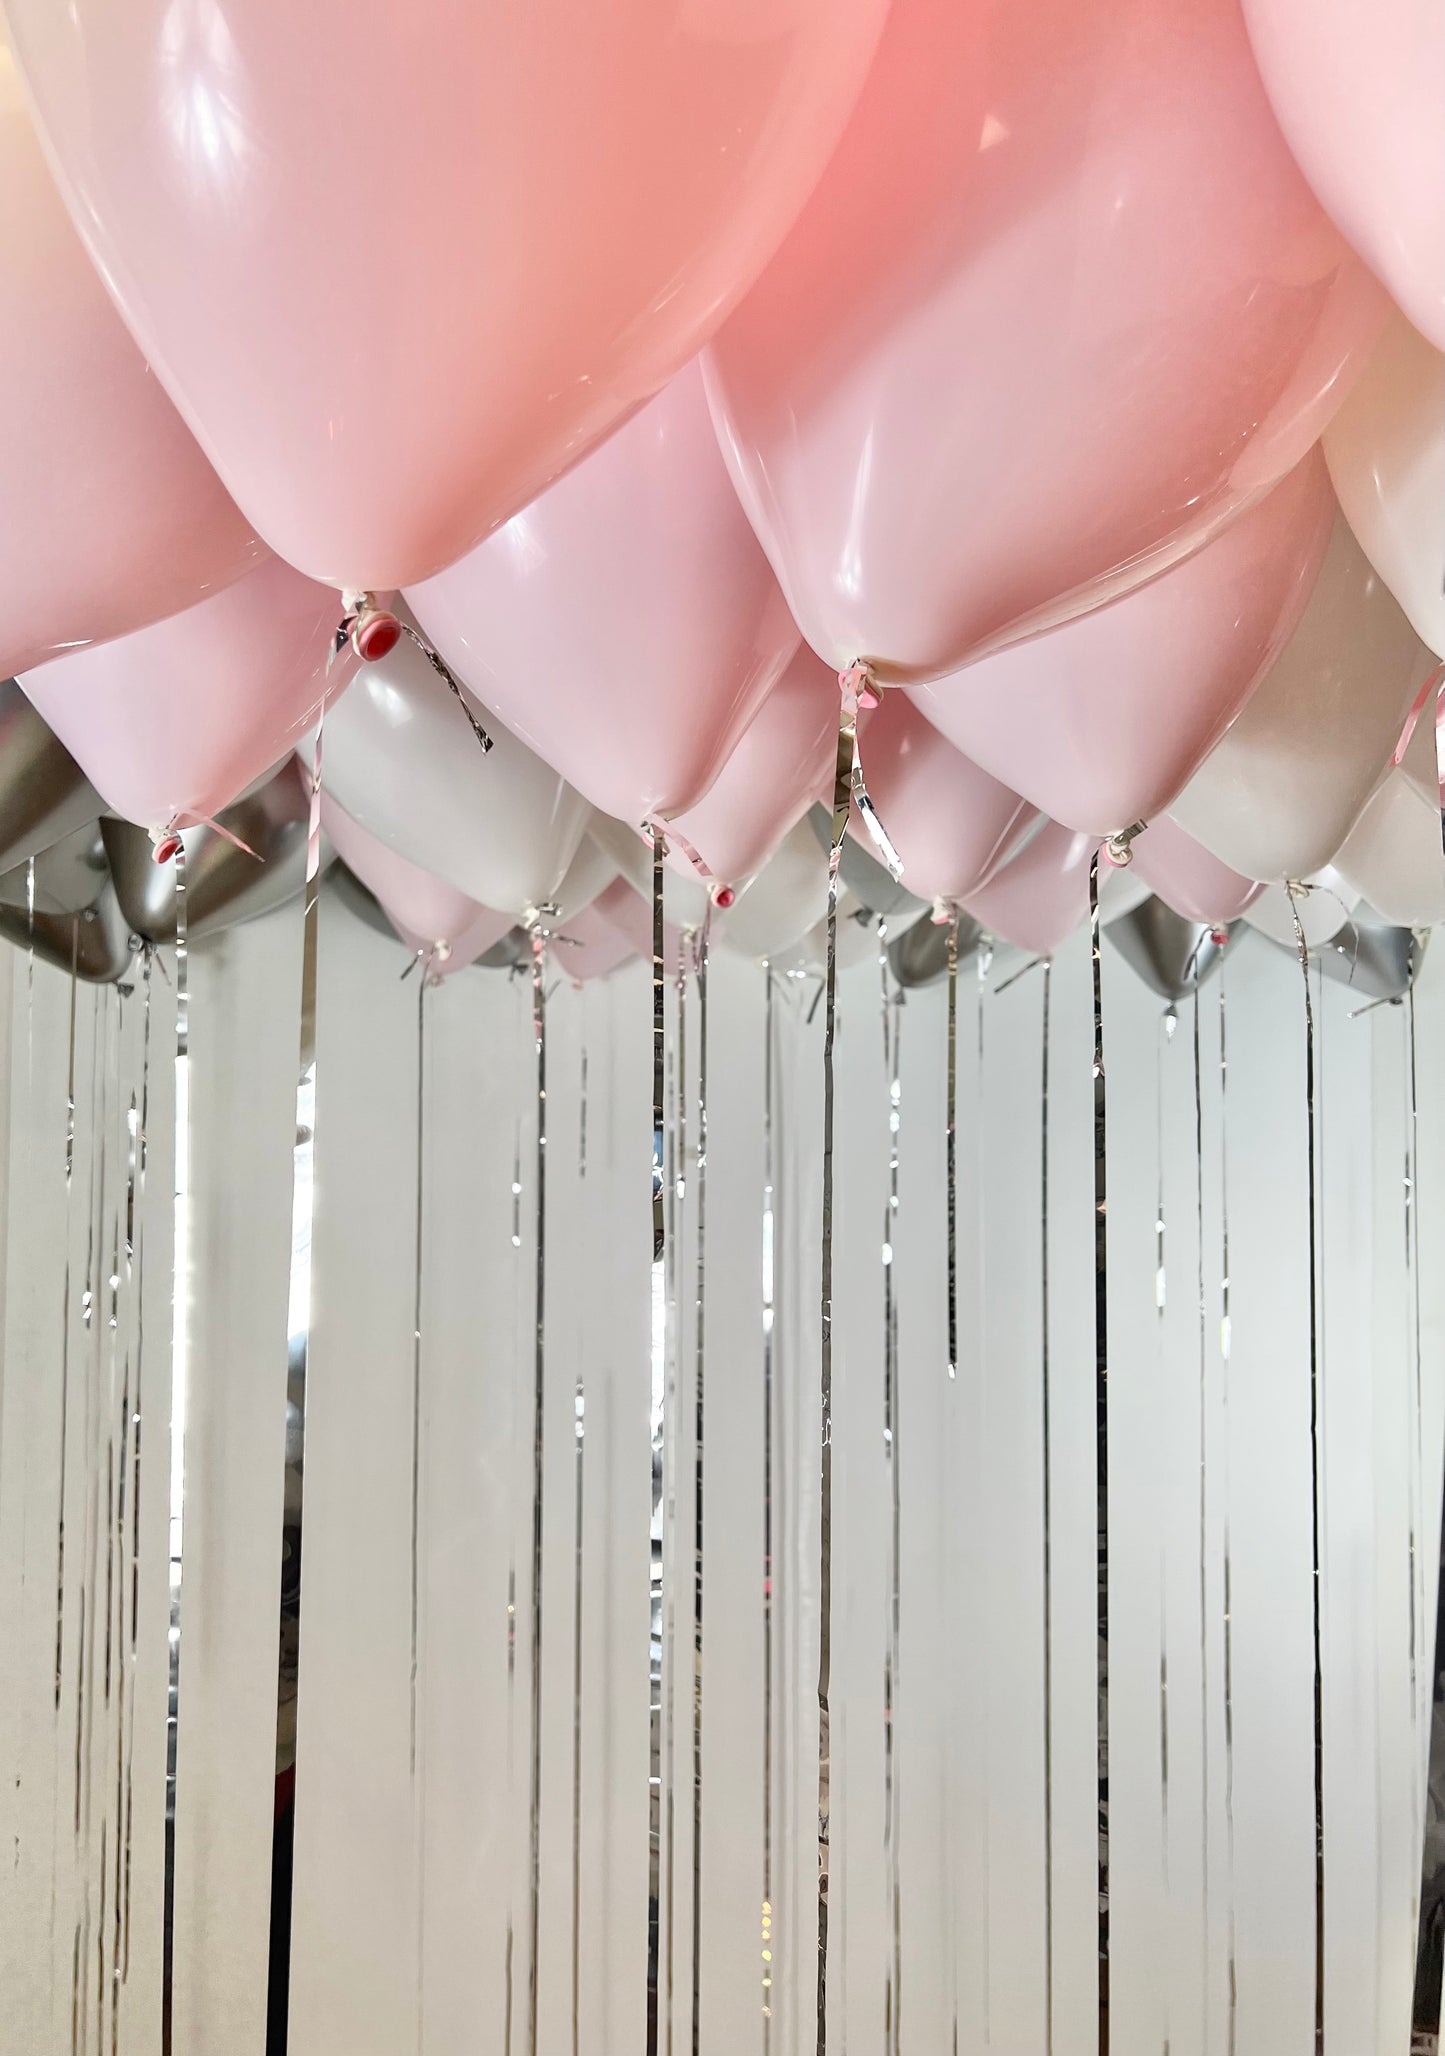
[374, 630]
[166, 845]
[944, 913]
[1119, 849]
[1219, 937]
[859, 680]
[723, 897]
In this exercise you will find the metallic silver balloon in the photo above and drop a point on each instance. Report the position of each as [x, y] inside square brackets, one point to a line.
[224, 884]
[920, 955]
[344, 885]
[1372, 958]
[44, 794]
[1170, 954]
[867, 879]
[95, 940]
[68, 876]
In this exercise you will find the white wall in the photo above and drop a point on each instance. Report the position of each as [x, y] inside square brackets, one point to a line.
[405, 1886]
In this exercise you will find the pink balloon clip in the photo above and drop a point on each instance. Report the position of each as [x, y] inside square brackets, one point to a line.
[167, 847]
[859, 680]
[375, 634]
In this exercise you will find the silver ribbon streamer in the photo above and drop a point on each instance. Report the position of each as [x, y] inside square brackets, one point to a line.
[767, 1930]
[1203, 1518]
[539, 1370]
[356, 608]
[180, 1295]
[579, 1415]
[1315, 1562]
[659, 1436]
[699, 1417]
[952, 1145]
[1101, 1410]
[893, 1984]
[1225, 1343]
[1046, 1455]
[303, 1222]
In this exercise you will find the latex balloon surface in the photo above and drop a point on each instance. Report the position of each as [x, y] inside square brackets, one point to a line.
[626, 625]
[400, 269]
[501, 826]
[1189, 881]
[173, 722]
[1103, 721]
[1061, 307]
[1289, 780]
[1386, 453]
[110, 516]
[44, 794]
[439, 923]
[1357, 90]
[1039, 899]
[951, 823]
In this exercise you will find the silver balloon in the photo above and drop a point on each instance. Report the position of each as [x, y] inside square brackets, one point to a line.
[1170, 954]
[920, 955]
[1372, 958]
[344, 885]
[224, 884]
[868, 880]
[67, 877]
[44, 794]
[94, 940]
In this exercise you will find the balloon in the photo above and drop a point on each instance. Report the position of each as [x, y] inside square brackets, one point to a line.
[1289, 780]
[784, 901]
[500, 827]
[952, 825]
[589, 945]
[920, 956]
[1039, 899]
[1323, 910]
[626, 625]
[110, 517]
[630, 918]
[172, 722]
[1375, 960]
[782, 762]
[1190, 882]
[224, 884]
[1103, 721]
[1386, 453]
[1171, 954]
[399, 274]
[44, 794]
[867, 881]
[432, 918]
[1392, 855]
[1061, 307]
[1357, 92]
[76, 921]
[685, 901]
[68, 874]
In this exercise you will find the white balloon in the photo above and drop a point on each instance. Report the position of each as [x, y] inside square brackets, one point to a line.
[1392, 857]
[785, 900]
[1386, 453]
[400, 758]
[1323, 910]
[1288, 781]
[684, 898]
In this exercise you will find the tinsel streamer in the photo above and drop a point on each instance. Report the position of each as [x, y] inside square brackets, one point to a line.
[1225, 1344]
[1203, 1508]
[1316, 1627]
[893, 1982]
[539, 1377]
[136, 1271]
[513, 1468]
[845, 769]
[65, 1325]
[579, 1459]
[298, 1325]
[1045, 1396]
[981, 989]
[418, 1784]
[699, 1445]
[659, 1438]
[951, 1142]
[1169, 1021]
[179, 1381]
[1101, 1416]
[768, 1926]
[677, 1194]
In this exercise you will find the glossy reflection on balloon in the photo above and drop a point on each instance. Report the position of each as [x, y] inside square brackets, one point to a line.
[1060, 308]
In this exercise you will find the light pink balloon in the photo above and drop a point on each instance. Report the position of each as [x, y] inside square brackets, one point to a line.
[110, 517]
[171, 723]
[626, 625]
[1061, 307]
[1360, 94]
[782, 762]
[630, 918]
[1039, 899]
[589, 946]
[1187, 878]
[951, 823]
[399, 268]
[1103, 722]
[431, 917]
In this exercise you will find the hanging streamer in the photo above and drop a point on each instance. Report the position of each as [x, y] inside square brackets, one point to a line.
[846, 771]
[539, 1368]
[1101, 1411]
[1315, 1565]
[951, 1138]
[1205, 1935]
[699, 1418]
[1048, 1485]
[180, 1294]
[1225, 1343]
[418, 1784]
[137, 1272]
[1168, 1022]
[769, 1232]
[659, 1439]
[579, 1417]
[298, 1326]
[677, 1194]
[893, 1982]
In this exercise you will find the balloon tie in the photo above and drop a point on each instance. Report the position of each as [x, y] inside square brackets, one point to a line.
[373, 632]
[861, 690]
[1119, 848]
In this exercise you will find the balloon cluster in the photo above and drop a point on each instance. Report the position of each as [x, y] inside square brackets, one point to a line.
[1029, 364]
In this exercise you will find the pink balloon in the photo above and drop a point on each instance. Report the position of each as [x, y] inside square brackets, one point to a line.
[589, 946]
[1104, 721]
[110, 517]
[626, 626]
[630, 918]
[951, 823]
[399, 270]
[432, 918]
[171, 723]
[1039, 899]
[1061, 307]
[1187, 878]
[783, 761]
[1358, 93]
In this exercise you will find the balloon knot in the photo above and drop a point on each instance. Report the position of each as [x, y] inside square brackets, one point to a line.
[723, 897]
[1219, 937]
[375, 633]
[858, 679]
[167, 845]
[943, 913]
[1119, 848]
